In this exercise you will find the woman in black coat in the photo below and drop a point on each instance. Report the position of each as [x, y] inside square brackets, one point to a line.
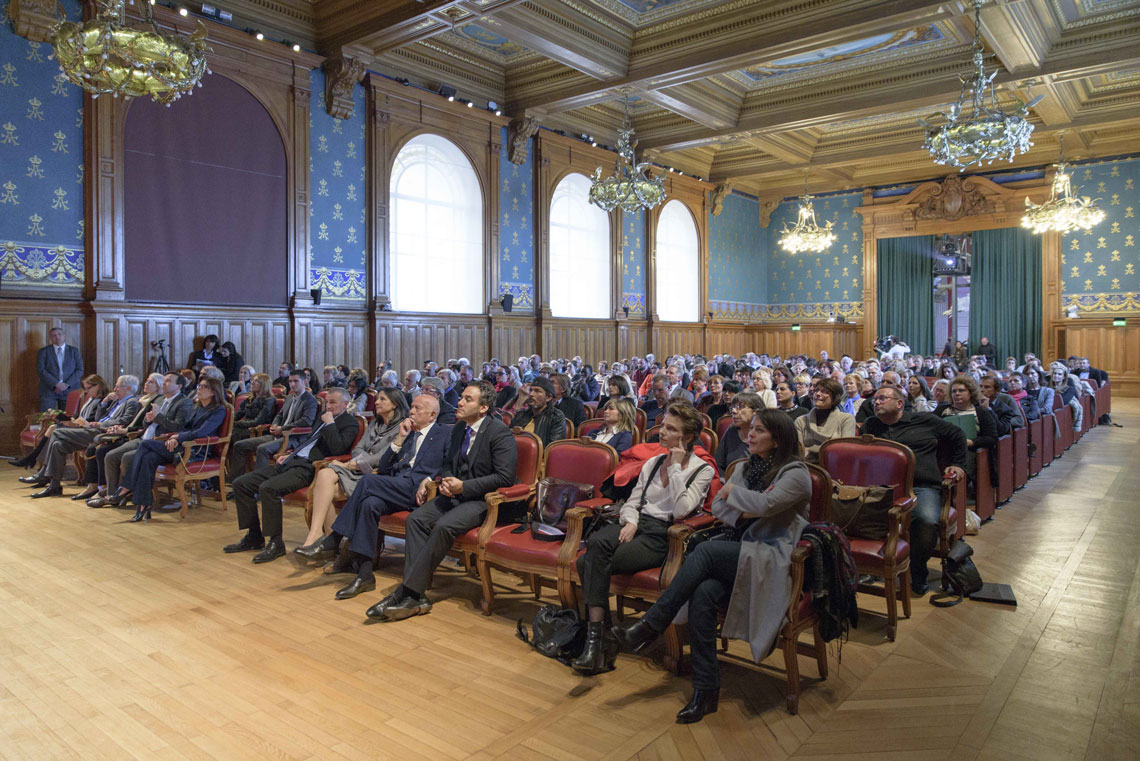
[229, 362]
[966, 411]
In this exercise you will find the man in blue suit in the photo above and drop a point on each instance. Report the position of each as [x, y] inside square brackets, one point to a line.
[415, 454]
[60, 368]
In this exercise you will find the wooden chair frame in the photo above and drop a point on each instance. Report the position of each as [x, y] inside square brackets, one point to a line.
[184, 468]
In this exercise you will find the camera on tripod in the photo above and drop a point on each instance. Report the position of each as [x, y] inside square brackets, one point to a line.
[160, 344]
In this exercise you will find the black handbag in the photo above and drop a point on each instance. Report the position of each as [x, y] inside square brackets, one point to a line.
[556, 633]
[959, 575]
[862, 511]
[553, 497]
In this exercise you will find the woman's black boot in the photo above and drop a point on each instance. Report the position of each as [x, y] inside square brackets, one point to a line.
[635, 637]
[703, 702]
[596, 657]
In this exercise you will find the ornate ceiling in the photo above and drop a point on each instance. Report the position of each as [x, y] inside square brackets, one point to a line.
[753, 91]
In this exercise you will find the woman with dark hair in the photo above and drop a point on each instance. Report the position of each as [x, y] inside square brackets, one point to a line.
[505, 396]
[208, 354]
[919, 394]
[391, 409]
[1037, 385]
[94, 389]
[617, 387]
[229, 362]
[257, 409]
[765, 500]
[949, 371]
[312, 380]
[669, 488]
[825, 421]
[205, 418]
[357, 388]
[965, 410]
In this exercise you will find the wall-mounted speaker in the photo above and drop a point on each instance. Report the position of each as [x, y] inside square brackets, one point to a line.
[316, 294]
[508, 302]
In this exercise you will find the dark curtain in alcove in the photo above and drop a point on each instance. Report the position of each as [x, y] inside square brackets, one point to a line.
[1005, 292]
[906, 290]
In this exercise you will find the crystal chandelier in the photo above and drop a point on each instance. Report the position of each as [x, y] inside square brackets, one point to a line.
[806, 235]
[631, 186]
[987, 133]
[1064, 211]
[105, 56]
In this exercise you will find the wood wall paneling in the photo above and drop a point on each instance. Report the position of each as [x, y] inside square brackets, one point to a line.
[809, 340]
[1112, 349]
[409, 339]
[592, 339]
[513, 337]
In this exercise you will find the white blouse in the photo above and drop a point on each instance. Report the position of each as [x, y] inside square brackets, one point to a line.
[668, 503]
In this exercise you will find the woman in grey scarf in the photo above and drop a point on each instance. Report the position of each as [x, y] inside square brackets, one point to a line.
[391, 409]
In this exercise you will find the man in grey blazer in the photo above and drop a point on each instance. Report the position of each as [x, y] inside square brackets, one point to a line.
[299, 410]
[117, 408]
[60, 368]
[166, 416]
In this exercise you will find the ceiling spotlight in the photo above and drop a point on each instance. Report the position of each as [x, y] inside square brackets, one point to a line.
[259, 36]
[498, 112]
[593, 143]
[183, 12]
[450, 98]
[492, 105]
[296, 48]
[471, 104]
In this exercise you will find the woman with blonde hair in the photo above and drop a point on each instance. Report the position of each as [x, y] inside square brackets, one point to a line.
[762, 385]
[620, 418]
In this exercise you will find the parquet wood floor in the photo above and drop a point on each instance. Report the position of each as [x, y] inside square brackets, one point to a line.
[124, 641]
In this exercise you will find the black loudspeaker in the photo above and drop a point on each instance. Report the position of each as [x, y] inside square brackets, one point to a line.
[508, 302]
[447, 91]
[316, 294]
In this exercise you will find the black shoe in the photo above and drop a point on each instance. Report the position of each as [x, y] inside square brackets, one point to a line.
[918, 588]
[35, 480]
[344, 563]
[275, 549]
[87, 494]
[119, 500]
[142, 514]
[358, 586]
[22, 462]
[379, 610]
[635, 637]
[53, 490]
[703, 702]
[599, 653]
[408, 606]
[318, 551]
[248, 542]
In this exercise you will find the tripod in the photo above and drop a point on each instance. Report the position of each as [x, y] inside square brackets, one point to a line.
[161, 365]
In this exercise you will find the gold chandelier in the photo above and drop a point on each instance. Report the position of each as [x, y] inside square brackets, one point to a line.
[1064, 211]
[631, 186]
[806, 235]
[104, 56]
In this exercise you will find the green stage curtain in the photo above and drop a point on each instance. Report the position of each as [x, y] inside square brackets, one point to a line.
[1005, 292]
[906, 291]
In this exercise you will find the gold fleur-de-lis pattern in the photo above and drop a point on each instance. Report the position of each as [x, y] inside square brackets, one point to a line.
[816, 286]
[736, 247]
[41, 159]
[633, 262]
[1104, 278]
[337, 216]
[516, 227]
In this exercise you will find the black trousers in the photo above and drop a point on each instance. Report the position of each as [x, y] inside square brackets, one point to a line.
[374, 495]
[269, 484]
[431, 528]
[705, 581]
[96, 455]
[607, 555]
[140, 478]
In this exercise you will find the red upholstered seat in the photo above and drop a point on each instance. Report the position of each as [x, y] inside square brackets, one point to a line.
[30, 436]
[304, 496]
[581, 460]
[186, 470]
[586, 430]
[868, 461]
[723, 425]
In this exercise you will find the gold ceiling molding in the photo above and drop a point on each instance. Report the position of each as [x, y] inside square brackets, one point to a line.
[578, 29]
[732, 7]
[33, 19]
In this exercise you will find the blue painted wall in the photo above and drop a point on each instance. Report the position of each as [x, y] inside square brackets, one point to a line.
[633, 263]
[810, 286]
[337, 244]
[41, 166]
[738, 260]
[516, 226]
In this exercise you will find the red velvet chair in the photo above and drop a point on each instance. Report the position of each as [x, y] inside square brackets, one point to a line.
[584, 461]
[185, 470]
[589, 426]
[528, 470]
[723, 425]
[1020, 457]
[709, 439]
[34, 429]
[591, 410]
[641, 420]
[869, 461]
[1037, 440]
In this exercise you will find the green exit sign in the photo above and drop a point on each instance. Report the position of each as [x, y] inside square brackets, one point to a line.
[796, 326]
[1119, 323]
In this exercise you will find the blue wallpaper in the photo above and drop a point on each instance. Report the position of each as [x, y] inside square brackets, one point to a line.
[1100, 266]
[41, 166]
[516, 226]
[633, 263]
[738, 251]
[810, 286]
[337, 245]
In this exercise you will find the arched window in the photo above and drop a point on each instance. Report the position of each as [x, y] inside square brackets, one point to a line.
[436, 229]
[678, 263]
[580, 270]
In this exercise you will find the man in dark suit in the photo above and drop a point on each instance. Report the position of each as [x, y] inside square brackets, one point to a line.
[167, 416]
[334, 435]
[1005, 409]
[434, 387]
[481, 457]
[299, 410]
[60, 368]
[540, 416]
[117, 408]
[415, 454]
[571, 408]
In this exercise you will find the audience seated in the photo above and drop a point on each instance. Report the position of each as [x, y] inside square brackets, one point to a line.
[299, 410]
[825, 420]
[734, 444]
[255, 410]
[113, 436]
[540, 416]
[332, 435]
[619, 417]
[654, 406]
[434, 387]
[94, 391]
[208, 354]
[1007, 415]
[565, 402]
[786, 400]
[918, 394]
[965, 411]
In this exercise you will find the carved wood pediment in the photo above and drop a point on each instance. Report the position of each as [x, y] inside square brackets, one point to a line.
[956, 197]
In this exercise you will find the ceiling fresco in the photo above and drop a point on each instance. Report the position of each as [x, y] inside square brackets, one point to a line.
[490, 41]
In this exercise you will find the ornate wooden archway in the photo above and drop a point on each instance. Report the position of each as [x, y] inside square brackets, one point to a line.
[953, 206]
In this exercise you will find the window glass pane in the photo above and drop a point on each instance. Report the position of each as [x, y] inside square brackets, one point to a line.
[580, 262]
[436, 229]
[678, 263]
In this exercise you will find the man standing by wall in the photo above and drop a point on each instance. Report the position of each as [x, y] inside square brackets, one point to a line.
[60, 368]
